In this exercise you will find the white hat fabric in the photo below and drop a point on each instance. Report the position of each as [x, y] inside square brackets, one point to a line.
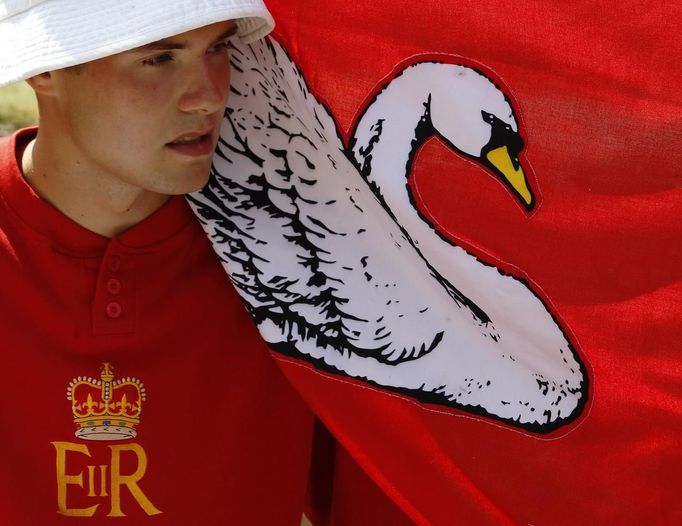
[44, 35]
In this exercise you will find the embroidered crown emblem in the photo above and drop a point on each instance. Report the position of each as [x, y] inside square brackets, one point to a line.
[106, 409]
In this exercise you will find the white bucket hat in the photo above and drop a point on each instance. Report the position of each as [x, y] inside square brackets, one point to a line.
[44, 35]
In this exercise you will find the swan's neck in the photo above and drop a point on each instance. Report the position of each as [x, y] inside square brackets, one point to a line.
[386, 139]
[393, 127]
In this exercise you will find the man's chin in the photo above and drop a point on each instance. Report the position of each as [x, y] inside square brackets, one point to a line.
[194, 184]
[181, 181]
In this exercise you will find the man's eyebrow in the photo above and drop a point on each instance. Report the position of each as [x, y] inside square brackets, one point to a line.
[163, 44]
[226, 34]
[169, 43]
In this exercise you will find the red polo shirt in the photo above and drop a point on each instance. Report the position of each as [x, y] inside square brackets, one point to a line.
[134, 383]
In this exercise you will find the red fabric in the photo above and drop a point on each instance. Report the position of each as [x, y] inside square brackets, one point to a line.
[597, 94]
[340, 492]
[225, 437]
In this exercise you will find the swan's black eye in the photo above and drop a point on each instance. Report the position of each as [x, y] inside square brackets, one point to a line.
[488, 117]
[499, 126]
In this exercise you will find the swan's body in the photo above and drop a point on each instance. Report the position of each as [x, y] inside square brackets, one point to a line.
[331, 276]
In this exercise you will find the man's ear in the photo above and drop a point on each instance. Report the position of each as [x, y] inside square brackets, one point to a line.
[43, 83]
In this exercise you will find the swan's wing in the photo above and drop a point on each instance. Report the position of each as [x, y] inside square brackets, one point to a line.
[251, 187]
[317, 259]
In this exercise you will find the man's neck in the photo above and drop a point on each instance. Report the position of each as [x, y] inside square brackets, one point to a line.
[99, 204]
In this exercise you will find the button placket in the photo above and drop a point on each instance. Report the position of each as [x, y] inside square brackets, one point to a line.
[113, 308]
[112, 312]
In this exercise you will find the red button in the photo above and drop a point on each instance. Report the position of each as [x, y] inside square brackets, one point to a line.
[113, 286]
[114, 309]
[114, 263]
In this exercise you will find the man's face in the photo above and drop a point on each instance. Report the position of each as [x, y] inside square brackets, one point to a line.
[148, 117]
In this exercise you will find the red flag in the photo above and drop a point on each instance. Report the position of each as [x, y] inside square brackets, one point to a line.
[456, 225]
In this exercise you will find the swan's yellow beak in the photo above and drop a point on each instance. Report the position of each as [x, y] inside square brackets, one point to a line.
[501, 160]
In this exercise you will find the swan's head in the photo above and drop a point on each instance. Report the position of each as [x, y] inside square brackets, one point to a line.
[473, 115]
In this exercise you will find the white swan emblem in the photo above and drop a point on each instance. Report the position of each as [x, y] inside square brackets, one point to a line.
[336, 266]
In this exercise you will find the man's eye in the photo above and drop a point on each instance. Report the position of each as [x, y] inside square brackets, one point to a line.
[158, 60]
[220, 47]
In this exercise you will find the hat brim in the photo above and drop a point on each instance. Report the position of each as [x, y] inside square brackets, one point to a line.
[55, 35]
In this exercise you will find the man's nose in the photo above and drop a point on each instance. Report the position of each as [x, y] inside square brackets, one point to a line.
[206, 88]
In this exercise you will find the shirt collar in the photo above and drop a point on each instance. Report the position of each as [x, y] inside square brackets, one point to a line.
[43, 218]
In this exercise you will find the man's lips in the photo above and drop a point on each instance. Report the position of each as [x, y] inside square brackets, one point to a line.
[194, 143]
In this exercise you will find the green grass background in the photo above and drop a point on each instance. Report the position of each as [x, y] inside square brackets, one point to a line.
[18, 107]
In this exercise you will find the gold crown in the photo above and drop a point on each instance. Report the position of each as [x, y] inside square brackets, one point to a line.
[106, 409]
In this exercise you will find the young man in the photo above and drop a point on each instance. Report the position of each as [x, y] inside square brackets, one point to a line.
[134, 384]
